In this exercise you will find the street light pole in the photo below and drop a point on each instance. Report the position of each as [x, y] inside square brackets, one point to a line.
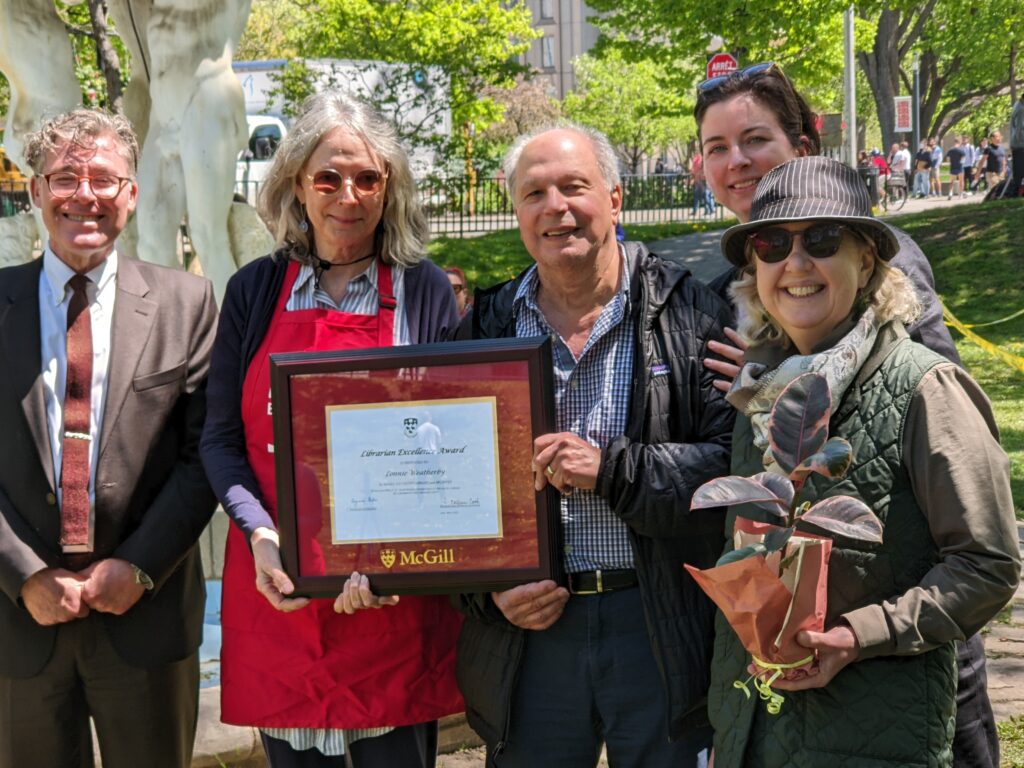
[851, 87]
[915, 67]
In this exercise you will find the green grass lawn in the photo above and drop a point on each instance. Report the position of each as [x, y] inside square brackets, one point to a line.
[500, 256]
[977, 254]
[1011, 743]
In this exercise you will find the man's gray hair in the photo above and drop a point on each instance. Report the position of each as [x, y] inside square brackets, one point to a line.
[403, 230]
[607, 160]
[80, 128]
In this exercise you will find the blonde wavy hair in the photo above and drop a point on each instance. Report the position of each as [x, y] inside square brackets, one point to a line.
[889, 291]
[403, 230]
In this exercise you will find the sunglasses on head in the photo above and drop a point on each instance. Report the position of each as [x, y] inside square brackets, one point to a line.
[774, 244]
[707, 86]
[329, 181]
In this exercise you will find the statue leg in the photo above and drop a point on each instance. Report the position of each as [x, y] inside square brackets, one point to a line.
[161, 203]
[213, 133]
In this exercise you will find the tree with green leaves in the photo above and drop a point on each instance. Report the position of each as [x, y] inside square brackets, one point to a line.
[474, 44]
[99, 54]
[965, 48]
[632, 102]
[525, 107]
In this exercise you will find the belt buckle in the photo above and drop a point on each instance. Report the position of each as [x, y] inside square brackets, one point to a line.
[600, 586]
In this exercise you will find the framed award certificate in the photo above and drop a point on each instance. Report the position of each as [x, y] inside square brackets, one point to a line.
[411, 465]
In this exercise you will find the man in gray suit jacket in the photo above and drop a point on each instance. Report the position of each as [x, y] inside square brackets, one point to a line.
[102, 494]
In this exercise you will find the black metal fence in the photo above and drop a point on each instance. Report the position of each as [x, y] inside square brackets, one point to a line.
[14, 198]
[456, 207]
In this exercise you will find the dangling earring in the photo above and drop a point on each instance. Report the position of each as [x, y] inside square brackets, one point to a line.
[304, 224]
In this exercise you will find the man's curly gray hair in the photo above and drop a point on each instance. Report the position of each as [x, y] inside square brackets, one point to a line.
[81, 127]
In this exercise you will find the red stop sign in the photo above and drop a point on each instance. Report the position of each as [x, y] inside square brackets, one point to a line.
[722, 64]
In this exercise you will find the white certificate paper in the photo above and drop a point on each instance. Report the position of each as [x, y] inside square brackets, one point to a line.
[417, 471]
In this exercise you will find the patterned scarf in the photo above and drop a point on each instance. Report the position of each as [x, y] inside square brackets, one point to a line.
[769, 368]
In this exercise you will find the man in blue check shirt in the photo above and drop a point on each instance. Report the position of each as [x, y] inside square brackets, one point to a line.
[618, 655]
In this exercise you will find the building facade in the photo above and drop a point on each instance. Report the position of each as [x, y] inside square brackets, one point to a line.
[566, 34]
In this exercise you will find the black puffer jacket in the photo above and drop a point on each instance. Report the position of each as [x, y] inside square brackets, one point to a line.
[677, 438]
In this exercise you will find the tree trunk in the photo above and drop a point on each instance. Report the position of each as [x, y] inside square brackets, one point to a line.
[1013, 74]
[106, 56]
[881, 67]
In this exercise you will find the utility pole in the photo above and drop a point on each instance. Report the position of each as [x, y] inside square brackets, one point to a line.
[850, 76]
[915, 67]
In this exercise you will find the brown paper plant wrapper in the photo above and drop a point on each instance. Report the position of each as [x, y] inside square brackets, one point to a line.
[766, 609]
[774, 583]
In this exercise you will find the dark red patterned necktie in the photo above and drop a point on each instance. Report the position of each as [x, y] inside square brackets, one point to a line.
[74, 474]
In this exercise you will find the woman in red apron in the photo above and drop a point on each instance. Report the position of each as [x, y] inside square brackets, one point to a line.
[326, 682]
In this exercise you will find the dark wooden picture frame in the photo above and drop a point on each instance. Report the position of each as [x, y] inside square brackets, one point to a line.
[515, 373]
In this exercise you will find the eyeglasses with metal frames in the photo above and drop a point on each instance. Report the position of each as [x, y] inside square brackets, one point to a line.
[328, 181]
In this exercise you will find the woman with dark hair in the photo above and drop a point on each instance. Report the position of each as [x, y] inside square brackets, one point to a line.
[326, 682]
[817, 293]
[749, 122]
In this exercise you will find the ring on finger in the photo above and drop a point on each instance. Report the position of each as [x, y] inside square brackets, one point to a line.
[549, 470]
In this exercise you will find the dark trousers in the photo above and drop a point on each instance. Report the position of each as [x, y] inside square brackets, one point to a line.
[143, 716]
[975, 744]
[590, 679]
[412, 746]
[1018, 171]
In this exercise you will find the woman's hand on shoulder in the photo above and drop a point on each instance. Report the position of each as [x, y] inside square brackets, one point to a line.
[734, 354]
[834, 649]
[271, 580]
[356, 595]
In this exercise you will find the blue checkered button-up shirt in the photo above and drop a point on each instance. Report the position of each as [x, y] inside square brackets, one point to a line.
[591, 400]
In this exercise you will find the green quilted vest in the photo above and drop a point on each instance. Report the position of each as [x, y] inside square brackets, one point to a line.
[886, 711]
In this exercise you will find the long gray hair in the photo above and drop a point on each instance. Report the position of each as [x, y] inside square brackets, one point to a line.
[402, 231]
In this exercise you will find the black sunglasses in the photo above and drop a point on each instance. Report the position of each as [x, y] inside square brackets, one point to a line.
[752, 71]
[774, 244]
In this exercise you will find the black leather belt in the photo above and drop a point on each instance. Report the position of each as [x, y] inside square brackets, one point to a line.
[596, 582]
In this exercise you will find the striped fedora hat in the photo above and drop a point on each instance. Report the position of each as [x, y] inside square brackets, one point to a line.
[809, 189]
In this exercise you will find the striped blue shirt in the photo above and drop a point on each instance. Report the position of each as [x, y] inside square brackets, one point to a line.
[592, 397]
[360, 299]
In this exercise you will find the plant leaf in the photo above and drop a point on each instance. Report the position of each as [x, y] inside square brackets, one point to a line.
[798, 425]
[777, 484]
[777, 538]
[832, 461]
[727, 491]
[742, 553]
[846, 516]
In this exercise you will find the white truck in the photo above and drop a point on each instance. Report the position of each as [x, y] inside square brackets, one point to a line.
[265, 134]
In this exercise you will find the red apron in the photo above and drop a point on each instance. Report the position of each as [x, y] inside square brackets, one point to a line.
[314, 668]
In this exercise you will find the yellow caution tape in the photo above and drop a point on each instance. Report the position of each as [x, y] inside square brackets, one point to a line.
[1014, 360]
[1014, 316]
